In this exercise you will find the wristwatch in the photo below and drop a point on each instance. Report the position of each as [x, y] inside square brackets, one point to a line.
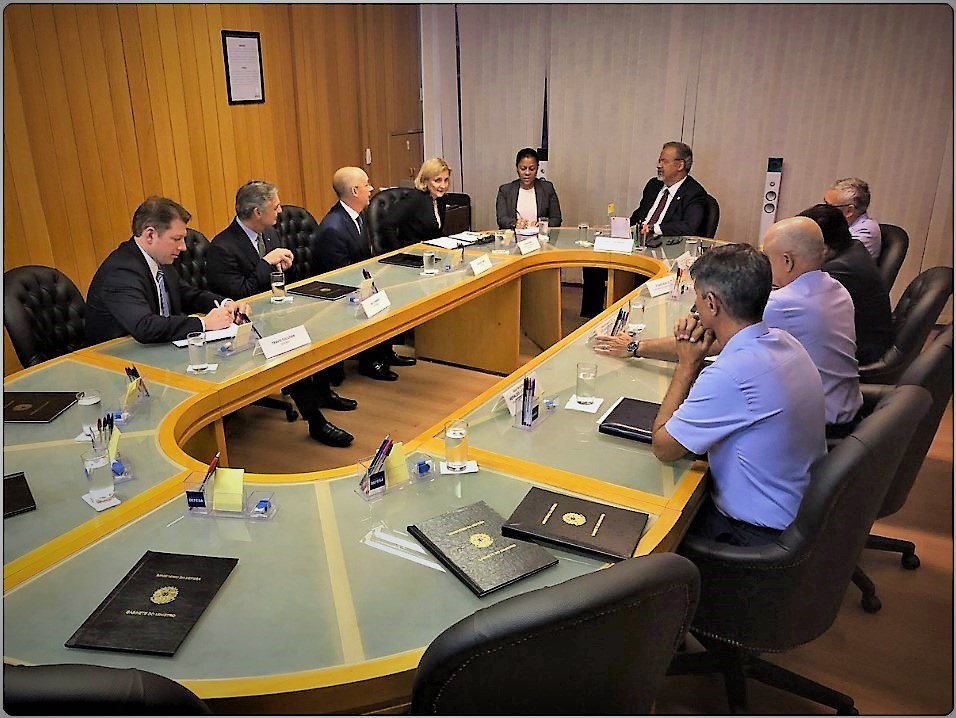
[632, 348]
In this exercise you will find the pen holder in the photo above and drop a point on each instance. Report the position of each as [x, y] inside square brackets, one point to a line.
[371, 482]
[128, 406]
[535, 415]
[198, 495]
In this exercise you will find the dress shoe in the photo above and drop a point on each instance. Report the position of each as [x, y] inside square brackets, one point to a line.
[327, 433]
[377, 370]
[396, 360]
[338, 403]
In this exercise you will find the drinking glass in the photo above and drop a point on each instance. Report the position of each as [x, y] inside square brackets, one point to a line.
[691, 244]
[429, 263]
[196, 341]
[543, 230]
[586, 382]
[99, 474]
[277, 280]
[456, 444]
[583, 231]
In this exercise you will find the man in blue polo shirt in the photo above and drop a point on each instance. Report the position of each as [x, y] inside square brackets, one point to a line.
[757, 411]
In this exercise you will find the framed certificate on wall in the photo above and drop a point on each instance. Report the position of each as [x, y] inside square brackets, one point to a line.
[242, 52]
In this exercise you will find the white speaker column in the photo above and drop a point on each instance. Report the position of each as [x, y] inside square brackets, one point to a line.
[771, 195]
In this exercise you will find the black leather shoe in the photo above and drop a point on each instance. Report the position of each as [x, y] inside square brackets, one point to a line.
[338, 403]
[396, 360]
[377, 370]
[327, 433]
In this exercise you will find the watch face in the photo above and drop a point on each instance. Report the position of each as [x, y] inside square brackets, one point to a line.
[632, 347]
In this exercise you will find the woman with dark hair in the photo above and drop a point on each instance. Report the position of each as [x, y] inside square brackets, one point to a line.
[521, 202]
[848, 261]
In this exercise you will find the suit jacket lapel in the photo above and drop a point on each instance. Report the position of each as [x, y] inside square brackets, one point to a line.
[513, 198]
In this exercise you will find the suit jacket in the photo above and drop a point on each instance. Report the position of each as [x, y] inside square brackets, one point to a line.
[413, 218]
[338, 243]
[855, 269]
[234, 267]
[122, 300]
[684, 216]
[506, 205]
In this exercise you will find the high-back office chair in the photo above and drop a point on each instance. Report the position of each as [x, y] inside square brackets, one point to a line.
[893, 245]
[598, 643]
[297, 229]
[384, 240]
[191, 264]
[76, 689]
[457, 213]
[771, 598]
[43, 312]
[932, 370]
[711, 217]
[914, 316]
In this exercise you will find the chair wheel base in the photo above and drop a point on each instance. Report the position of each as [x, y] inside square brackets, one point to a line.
[851, 711]
[291, 415]
[871, 604]
[910, 561]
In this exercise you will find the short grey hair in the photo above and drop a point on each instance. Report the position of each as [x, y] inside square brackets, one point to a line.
[253, 195]
[683, 152]
[739, 275]
[856, 190]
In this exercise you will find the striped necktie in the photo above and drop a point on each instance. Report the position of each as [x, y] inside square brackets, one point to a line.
[260, 245]
[660, 208]
[163, 294]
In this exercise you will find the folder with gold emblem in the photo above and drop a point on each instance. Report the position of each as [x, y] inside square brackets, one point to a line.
[469, 543]
[155, 605]
[574, 524]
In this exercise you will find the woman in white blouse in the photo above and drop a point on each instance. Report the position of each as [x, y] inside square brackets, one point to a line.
[521, 202]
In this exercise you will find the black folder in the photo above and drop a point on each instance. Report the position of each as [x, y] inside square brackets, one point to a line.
[631, 419]
[404, 259]
[322, 290]
[575, 524]
[36, 407]
[17, 497]
[155, 605]
[469, 543]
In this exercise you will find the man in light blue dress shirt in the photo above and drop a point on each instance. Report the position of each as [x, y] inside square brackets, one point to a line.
[851, 195]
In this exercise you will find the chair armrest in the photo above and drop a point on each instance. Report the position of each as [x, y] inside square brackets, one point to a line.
[700, 549]
[872, 395]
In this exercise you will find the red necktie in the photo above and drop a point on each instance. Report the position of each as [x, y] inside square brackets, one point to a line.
[657, 210]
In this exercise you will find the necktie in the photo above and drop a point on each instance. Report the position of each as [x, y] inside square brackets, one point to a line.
[163, 294]
[260, 245]
[658, 209]
[361, 225]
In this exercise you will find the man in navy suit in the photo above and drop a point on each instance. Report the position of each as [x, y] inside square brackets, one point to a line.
[343, 239]
[239, 262]
[673, 204]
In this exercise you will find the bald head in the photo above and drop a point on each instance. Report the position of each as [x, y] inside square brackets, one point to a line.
[352, 187]
[794, 247]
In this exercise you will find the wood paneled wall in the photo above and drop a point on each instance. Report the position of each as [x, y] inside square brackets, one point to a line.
[106, 104]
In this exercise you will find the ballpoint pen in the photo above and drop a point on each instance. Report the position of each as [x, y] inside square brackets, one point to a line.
[212, 467]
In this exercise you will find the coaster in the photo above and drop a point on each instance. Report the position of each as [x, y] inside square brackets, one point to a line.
[210, 369]
[101, 505]
[88, 398]
[470, 468]
[633, 329]
[589, 408]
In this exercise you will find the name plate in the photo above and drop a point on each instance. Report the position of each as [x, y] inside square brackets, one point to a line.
[684, 261]
[376, 303]
[282, 342]
[622, 245]
[531, 244]
[657, 287]
[482, 264]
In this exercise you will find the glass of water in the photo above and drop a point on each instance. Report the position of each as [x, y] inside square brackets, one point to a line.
[544, 232]
[429, 263]
[196, 341]
[586, 382]
[99, 474]
[583, 231]
[456, 444]
[277, 280]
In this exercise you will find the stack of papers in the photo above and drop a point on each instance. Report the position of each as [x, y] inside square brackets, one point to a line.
[454, 241]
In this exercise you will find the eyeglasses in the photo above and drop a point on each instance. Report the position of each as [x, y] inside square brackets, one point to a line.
[848, 204]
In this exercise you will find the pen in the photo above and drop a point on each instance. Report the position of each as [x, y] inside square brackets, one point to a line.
[141, 382]
[212, 467]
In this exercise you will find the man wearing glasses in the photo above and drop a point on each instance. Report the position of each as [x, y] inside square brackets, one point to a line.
[851, 196]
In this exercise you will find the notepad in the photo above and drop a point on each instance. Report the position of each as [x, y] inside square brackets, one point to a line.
[227, 489]
[213, 335]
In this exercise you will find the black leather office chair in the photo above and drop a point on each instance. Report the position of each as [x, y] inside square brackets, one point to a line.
[914, 317]
[384, 240]
[297, 229]
[43, 312]
[932, 370]
[76, 689]
[893, 245]
[757, 599]
[596, 644]
[191, 264]
[457, 213]
[711, 217]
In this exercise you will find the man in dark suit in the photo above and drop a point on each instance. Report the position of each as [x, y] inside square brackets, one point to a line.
[673, 204]
[136, 292]
[343, 239]
[239, 262]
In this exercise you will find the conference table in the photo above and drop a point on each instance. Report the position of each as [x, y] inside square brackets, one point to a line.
[332, 602]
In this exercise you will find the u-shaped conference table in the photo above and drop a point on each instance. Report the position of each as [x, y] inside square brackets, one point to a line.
[332, 603]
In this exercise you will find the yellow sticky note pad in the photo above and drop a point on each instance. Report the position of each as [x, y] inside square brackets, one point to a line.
[242, 334]
[227, 489]
[131, 389]
[610, 208]
[395, 469]
[114, 444]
